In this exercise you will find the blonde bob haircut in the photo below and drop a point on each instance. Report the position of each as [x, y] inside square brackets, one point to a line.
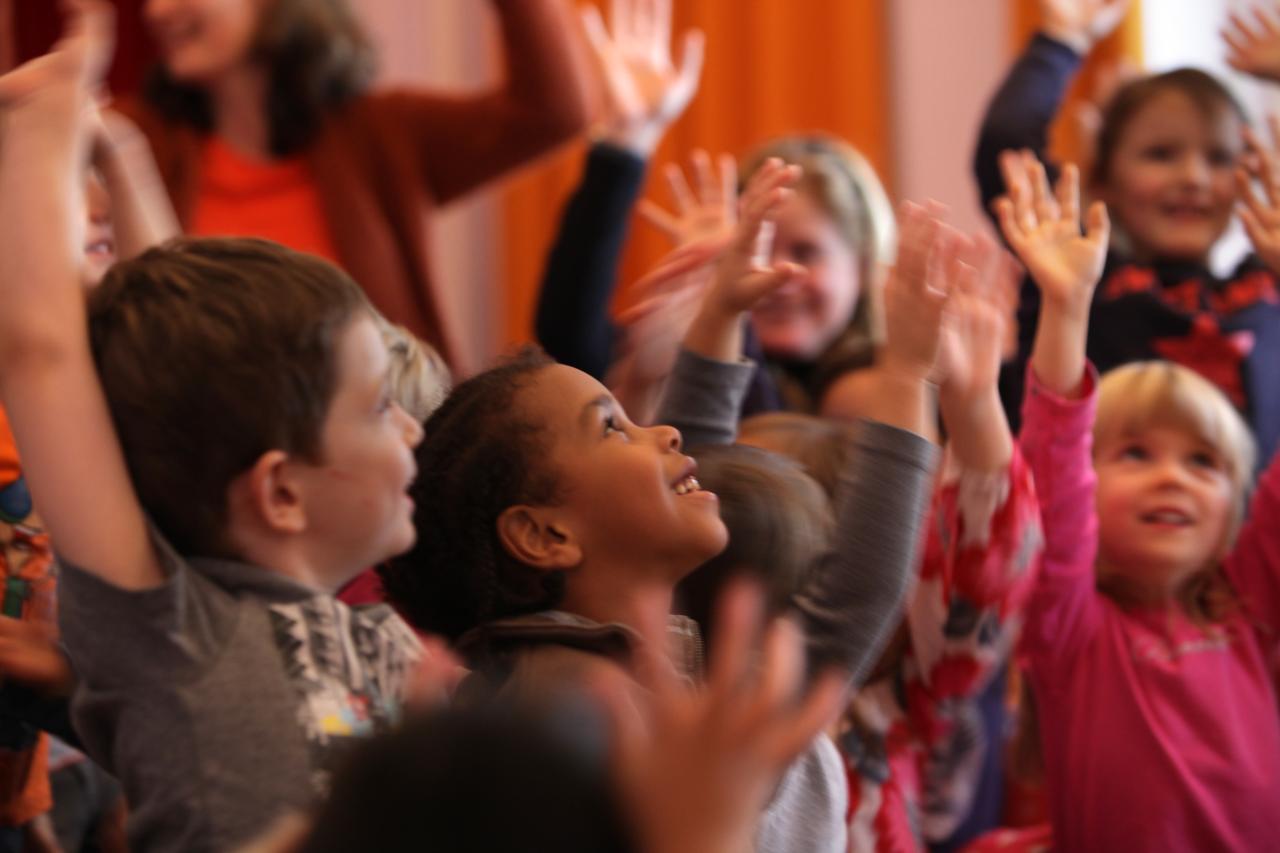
[1147, 394]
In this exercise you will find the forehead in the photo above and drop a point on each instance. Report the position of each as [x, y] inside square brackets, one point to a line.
[557, 395]
[1173, 112]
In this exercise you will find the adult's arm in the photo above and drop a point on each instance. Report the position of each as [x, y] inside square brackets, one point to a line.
[543, 101]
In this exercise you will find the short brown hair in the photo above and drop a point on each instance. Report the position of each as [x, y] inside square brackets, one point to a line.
[822, 446]
[779, 521]
[1208, 94]
[212, 352]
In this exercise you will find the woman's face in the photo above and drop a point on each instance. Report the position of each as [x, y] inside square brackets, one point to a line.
[201, 41]
[804, 317]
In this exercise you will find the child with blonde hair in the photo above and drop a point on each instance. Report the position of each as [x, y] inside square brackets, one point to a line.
[1151, 631]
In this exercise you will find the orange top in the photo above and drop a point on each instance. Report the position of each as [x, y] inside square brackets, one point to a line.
[276, 199]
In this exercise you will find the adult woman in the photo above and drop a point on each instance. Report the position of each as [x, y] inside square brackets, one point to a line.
[261, 122]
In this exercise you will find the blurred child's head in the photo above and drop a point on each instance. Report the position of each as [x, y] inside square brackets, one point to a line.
[420, 380]
[822, 446]
[532, 479]
[249, 387]
[839, 225]
[478, 780]
[779, 522]
[1165, 163]
[1174, 461]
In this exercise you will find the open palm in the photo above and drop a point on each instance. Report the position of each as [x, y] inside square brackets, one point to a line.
[1043, 229]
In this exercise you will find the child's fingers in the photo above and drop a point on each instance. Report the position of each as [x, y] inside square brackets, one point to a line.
[679, 187]
[728, 177]
[1046, 207]
[1098, 224]
[780, 672]
[659, 218]
[1009, 223]
[1266, 23]
[1273, 126]
[737, 620]
[707, 186]
[1068, 193]
[1252, 227]
[693, 49]
[661, 32]
[1017, 188]
[821, 705]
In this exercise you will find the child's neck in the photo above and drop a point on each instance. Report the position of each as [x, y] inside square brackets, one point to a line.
[240, 111]
[604, 597]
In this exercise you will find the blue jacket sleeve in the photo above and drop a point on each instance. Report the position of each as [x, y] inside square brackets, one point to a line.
[573, 322]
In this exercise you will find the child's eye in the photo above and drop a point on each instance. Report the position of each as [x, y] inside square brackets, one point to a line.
[805, 254]
[611, 425]
[1222, 157]
[1204, 459]
[1161, 153]
[1135, 452]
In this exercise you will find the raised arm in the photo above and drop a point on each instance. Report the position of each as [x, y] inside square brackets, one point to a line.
[1029, 97]
[644, 93]
[466, 141]
[852, 598]
[704, 395]
[48, 383]
[141, 214]
[1044, 231]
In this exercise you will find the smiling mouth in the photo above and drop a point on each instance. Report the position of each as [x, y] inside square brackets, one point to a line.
[1166, 518]
[686, 486]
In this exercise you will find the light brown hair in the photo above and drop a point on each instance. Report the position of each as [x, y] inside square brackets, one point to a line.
[212, 352]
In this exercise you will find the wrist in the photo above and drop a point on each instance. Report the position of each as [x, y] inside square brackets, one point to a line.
[1080, 43]
[640, 138]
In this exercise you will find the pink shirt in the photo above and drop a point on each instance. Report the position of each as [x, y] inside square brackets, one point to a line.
[1157, 734]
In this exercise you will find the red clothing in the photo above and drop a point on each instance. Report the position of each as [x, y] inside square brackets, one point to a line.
[276, 199]
[26, 565]
[383, 162]
[1158, 734]
[914, 746]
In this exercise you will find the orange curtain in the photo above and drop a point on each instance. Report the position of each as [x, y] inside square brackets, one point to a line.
[772, 67]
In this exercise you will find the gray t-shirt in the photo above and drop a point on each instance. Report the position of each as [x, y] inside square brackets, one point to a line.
[221, 698]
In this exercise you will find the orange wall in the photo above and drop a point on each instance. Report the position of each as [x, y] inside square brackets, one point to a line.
[772, 67]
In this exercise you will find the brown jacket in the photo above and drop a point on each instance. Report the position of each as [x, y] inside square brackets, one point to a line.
[383, 162]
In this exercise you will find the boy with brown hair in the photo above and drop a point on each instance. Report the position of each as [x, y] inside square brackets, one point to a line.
[232, 459]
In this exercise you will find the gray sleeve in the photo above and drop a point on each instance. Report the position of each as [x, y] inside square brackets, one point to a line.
[703, 398]
[852, 599]
[116, 636]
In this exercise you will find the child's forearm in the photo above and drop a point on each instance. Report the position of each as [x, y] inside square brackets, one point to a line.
[901, 399]
[41, 208]
[716, 334]
[141, 213]
[977, 430]
[1058, 357]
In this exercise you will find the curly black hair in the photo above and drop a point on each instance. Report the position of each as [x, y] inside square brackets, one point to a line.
[317, 58]
[480, 455]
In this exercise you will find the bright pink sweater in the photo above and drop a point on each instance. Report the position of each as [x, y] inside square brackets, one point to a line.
[1156, 734]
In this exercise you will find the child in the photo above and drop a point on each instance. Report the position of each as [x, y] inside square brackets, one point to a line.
[216, 685]
[914, 738]
[554, 519]
[1151, 631]
[1165, 163]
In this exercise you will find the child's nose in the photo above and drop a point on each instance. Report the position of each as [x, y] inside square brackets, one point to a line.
[1196, 169]
[667, 437]
[412, 430]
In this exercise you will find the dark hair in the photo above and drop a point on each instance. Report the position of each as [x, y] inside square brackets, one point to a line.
[779, 522]
[475, 780]
[1204, 90]
[212, 352]
[480, 455]
[317, 57]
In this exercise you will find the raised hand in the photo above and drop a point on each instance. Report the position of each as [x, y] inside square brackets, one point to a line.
[1261, 214]
[78, 60]
[707, 210]
[697, 766]
[1253, 45]
[1080, 24]
[916, 293]
[1043, 229]
[744, 274]
[644, 91]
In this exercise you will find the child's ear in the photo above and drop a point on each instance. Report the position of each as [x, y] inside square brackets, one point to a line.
[537, 538]
[273, 494]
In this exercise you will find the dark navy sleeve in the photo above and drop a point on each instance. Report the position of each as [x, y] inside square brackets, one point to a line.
[572, 322]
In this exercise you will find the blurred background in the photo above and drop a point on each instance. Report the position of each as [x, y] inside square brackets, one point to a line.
[905, 80]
